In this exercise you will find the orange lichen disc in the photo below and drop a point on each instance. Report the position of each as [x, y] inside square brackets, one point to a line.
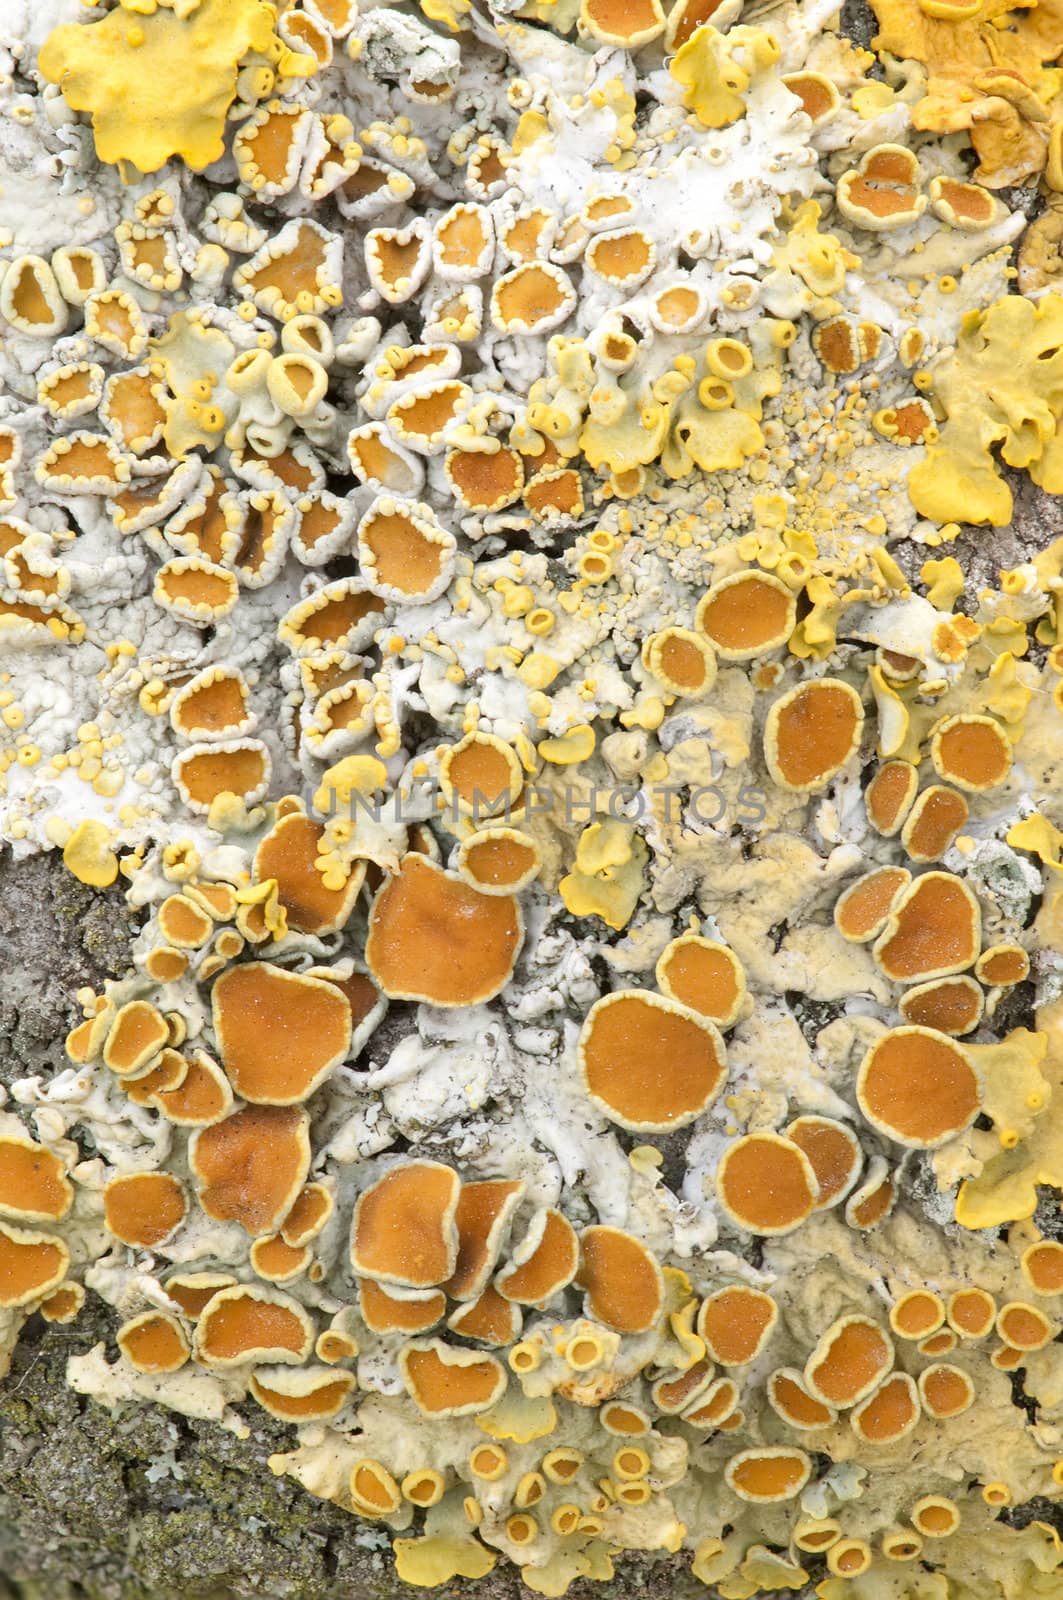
[192, 1291]
[946, 1391]
[916, 1314]
[482, 775]
[404, 1229]
[811, 732]
[334, 1345]
[544, 1262]
[1042, 1266]
[483, 1216]
[63, 1304]
[1006, 1358]
[31, 1265]
[313, 1207]
[1024, 1327]
[485, 482]
[971, 751]
[169, 1071]
[499, 860]
[682, 661]
[736, 1324]
[889, 1413]
[918, 1087]
[562, 1465]
[446, 1382]
[971, 1313]
[948, 1005]
[671, 1395]
[766, 1183]
[373, 1491]
[278, 1262]
[202, 1097]
[242, 1324]
[768, 1474]
[33, 1181]
[942, 1343]
[703, 975]
[1002, 965]
[715, 1406]
[489, 1319]
[873, 1200]
[399, 1310]
[622, 1280]
[862, 911]
[288, 854]
[935, 1517]
[816, 1534]
[305, 1396]
[934, 930]
[648, 1062]
[144, 1208]
[933, 822]
[138, 1032]
[851, 1359]
[624, 1421]
[279, 1033]
[790, 1399]
[747, 615]
[889, 795]
[153, 1342]
[251, 1165]
[835, 1154]
[182, 923]
[434, 938]
[901, 1544]
[849, 1558]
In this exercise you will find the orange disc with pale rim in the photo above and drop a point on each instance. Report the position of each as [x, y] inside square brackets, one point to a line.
[624, 1285]
[933, 822]
[789, 1397]
[704, 975]
[434, 938]
[972, 1312]
[811, 733]
[648, 1062]
[861, 912]
[766, 1183]
[934, 930]
[946, 1391]
[747, 614]
[851, 1359]
[835, 1154]
[1042, 1266]
[916, 1314]
[949, 1005]
[769, 1474]
[889, 795]
[736, 1324]
[889, 1413]
[972, 751]
[918, 1087]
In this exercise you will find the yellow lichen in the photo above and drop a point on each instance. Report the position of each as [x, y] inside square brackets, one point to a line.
[158, 84]
[1001, 390]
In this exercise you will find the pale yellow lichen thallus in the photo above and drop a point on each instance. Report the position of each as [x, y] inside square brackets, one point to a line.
[461, 554]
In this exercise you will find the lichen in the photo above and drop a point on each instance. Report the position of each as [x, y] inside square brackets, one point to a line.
[464, 529]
